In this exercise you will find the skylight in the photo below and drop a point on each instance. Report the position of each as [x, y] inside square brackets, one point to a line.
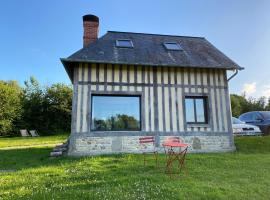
[172, 46]
[124, 43]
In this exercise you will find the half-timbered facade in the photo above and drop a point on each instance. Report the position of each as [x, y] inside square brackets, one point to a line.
[124, 92]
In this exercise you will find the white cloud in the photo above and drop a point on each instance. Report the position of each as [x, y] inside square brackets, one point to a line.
[265, 91]
[249, 88]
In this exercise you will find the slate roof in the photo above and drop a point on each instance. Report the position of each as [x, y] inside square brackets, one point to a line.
[149, 50]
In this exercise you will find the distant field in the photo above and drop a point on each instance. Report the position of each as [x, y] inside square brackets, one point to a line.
[28, 173]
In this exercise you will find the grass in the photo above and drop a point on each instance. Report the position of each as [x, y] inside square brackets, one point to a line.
[244, 174]
[19, 142]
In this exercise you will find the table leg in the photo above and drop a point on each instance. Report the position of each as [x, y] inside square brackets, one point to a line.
[181, 163]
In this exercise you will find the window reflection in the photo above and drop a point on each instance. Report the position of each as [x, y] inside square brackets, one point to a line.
[196, 109]
[115, 113]
[200, 110]
[190, 117]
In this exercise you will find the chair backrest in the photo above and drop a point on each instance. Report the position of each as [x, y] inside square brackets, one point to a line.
[173, 140]
[24, 133]
[33, 133]
[147, 139]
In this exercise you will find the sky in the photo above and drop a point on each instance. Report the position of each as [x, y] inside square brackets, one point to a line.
[34, 34]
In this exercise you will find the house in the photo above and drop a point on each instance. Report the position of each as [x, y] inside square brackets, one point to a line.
[128, 85]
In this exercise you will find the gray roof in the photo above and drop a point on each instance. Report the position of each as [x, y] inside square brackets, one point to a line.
[149, 50]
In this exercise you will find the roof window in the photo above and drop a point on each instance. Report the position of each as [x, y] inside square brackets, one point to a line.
[172, 46]
[124, 43]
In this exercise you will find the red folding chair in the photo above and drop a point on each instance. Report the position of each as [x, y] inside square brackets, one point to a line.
[145, 148]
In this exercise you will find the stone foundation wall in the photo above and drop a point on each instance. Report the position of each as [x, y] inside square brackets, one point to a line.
[88, 145]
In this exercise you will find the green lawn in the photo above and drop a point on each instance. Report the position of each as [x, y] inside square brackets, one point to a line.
[244, 174]
[19, 142]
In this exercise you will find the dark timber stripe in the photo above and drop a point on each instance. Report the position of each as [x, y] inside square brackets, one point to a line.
[221, 102]
[229, 114]
[156, 112]
[74, 101]
[189, 82]
[149, 100]
[202, 90]
[210, 103]
[97, 76]
[120, 75]
[89, 72]
[183, 100]
[113, 67]
[89, 98]
[201, 71]
[176, 99]
[170, 100]
[135, 76]
[128, 75]
[215, 93]
[143, 97]
[105, 77]
[228, 111]
[195, 72]
[163, 99]
[82, 94]
[227, 103]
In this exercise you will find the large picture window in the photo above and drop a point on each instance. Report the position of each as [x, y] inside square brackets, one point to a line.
[115, 113]
[196, 110]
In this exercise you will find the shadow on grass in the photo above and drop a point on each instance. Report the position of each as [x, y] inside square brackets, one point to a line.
[17, 159]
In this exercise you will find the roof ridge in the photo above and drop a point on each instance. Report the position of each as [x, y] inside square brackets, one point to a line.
[155, 34]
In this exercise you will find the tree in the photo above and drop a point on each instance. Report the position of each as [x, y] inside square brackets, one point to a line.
[268, 104]
[238, 103]
[57, 107]
[242, 104]
[10, 106]
[32, 104]
[47, 109]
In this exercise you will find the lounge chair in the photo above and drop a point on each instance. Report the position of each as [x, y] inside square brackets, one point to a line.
[34, 133]
[24, 133]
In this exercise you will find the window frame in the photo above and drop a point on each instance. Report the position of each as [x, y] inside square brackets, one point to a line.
[116, 95]
[179, 46]
[205, 107]
[119, 46]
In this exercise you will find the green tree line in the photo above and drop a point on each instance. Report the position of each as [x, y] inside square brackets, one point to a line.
[241, 104]
[46, 109]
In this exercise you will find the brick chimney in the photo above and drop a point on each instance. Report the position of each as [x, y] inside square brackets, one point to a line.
[90, 26]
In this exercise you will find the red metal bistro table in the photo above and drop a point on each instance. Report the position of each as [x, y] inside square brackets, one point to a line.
[173, 155]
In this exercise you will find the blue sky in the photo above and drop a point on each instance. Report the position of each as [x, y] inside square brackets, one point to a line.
[35, 34]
